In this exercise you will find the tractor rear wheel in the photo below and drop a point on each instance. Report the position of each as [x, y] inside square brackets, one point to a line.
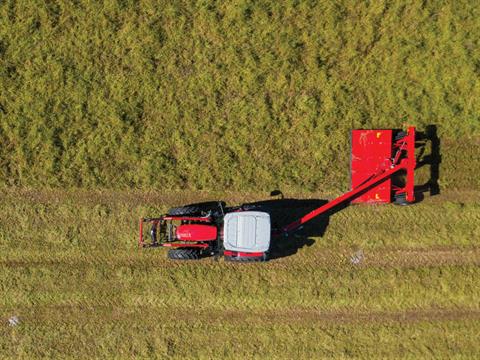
[196, 209]
[245, 259]
[184, 254]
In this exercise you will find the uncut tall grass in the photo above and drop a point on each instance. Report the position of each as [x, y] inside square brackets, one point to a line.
[244, 95]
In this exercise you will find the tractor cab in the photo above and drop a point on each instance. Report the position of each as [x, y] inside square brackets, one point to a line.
[246, 235]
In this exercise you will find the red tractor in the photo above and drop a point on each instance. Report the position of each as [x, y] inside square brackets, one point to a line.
[242, 233]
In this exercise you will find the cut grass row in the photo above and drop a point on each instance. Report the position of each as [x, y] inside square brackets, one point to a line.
[66, 221]
[258, 287]
[72, 274]
[152, 334]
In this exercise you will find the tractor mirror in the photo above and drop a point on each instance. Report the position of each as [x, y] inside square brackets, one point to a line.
[276, 193]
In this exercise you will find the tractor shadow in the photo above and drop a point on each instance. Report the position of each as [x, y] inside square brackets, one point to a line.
[285, 211]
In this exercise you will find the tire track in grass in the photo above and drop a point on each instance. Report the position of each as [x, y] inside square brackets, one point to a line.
[81, 315]
[322, 258]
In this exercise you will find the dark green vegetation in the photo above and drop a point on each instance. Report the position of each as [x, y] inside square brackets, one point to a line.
[81, 289]
[245, 95]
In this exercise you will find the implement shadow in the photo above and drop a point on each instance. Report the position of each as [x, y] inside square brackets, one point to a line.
[423, 139]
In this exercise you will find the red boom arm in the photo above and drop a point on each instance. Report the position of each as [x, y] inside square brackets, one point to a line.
[408, 164]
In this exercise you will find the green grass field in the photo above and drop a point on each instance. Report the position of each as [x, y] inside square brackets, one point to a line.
[81, 288]
[239, 95]
[115, 109]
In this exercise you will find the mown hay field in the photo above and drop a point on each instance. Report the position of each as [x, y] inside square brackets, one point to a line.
[382, 281]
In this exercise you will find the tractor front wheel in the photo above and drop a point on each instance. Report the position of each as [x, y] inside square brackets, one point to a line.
[184, 254]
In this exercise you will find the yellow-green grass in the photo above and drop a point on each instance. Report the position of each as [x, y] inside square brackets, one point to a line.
[150, 333]
[81, 288]
[244, 95]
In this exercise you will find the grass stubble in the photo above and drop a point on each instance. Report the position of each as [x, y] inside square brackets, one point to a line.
[72, 274]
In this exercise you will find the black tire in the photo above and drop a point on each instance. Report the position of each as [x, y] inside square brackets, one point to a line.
[401, 199]
[246, 259]
[196, 209]
[184, 254]
[400, 135]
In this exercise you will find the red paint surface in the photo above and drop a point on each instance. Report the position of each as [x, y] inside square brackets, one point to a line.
[371, 154]
[140, 240]
[242, 254]
[188, 218]
[196, 232]
[412, 163]
[193, 245]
